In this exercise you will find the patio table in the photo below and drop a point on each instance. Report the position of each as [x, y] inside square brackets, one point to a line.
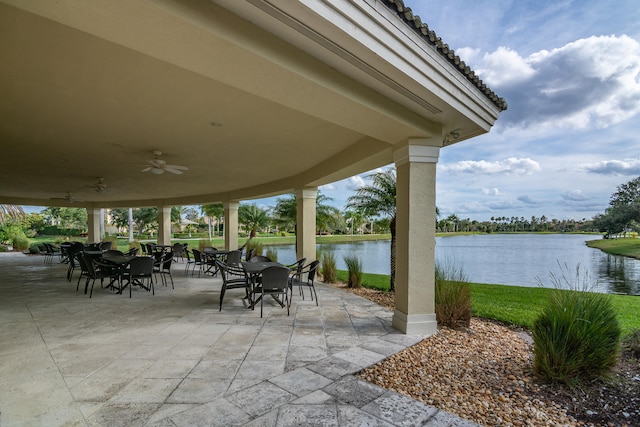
[119, 263]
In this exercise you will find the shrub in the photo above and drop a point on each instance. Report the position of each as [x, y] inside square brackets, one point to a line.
[452, 297]
[113, 240]
[254, 244]
[354, 267]
[204, 243]
[34, 248]
[328, 267]
[20, 242]
[577, 335]
[272, 254]
[632, 343]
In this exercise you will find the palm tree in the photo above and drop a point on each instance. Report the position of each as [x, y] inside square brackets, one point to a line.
[14, 212]
[253, 218]
[215, 210]
[379, 198]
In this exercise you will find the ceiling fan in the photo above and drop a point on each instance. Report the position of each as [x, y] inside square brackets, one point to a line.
[67, 198]
[100, 186]
[158, 166]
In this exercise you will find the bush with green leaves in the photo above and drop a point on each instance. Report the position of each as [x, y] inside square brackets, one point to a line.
[354, 267]
[34, 248]
[452, 296]
[577, 335]
[328, 259]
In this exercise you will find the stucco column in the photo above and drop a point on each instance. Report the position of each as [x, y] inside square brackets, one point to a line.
[306, 223]
[93, 225]
[164, 225]
[231, 225]
[415, 238]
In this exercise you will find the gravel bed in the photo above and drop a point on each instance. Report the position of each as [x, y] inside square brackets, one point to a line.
[484, 374]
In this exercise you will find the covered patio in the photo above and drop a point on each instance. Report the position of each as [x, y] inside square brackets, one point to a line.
[173, 359]
[256, 98]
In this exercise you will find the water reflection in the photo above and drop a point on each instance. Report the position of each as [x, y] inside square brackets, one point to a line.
[510, 259]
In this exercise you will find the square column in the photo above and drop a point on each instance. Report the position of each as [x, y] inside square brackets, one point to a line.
[93, 225]
[164, 225]
[231, 225]
[415, 239]
[306, 223]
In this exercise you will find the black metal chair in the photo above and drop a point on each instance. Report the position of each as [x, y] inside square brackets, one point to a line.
[165, 269]
[305, 277]
[233, 277]
[275, 282]
[140, 273]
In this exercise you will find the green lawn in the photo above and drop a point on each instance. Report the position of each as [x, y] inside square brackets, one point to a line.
[517, 305]
[626, 247]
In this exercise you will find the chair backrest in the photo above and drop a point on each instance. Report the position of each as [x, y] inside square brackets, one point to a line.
[88, 265]
[249, 254]
[177, 249]
[259, 258]
[313, 268]
[234, 257]
[166, 264]
[197, 256]
[275, 278]
[105, 246]
[227, 270]
[297, 267]
[141, 266]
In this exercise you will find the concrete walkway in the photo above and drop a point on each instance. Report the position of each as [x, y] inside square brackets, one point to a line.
[174, 360]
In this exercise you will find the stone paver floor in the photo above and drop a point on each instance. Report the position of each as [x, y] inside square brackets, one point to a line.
[173, 359]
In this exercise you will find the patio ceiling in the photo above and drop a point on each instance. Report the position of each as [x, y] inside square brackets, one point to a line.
[255, 97]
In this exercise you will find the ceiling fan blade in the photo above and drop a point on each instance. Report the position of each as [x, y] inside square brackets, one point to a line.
[173, 170]
[182, 168]
[146, 169]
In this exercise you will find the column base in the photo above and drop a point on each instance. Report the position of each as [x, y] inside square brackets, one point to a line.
[414, 324]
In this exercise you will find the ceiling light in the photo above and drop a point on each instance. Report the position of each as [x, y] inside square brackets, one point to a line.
[156, 171]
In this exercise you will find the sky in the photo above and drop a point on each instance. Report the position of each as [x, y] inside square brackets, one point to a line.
[570, 72]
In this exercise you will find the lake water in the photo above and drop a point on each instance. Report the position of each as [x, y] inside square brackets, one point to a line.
[509, 259]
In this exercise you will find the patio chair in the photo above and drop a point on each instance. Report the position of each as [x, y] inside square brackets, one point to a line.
[197, 262]
[233, 277]
[50, 252]
[178, 251]
[140, 273]
[95, 270]
[234, 257]
[305, 277]
[275, 282]
[165, 269]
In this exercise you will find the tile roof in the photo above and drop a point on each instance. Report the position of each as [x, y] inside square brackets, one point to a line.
[431, 38]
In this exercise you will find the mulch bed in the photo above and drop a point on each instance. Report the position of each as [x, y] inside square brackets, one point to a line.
[484, 374]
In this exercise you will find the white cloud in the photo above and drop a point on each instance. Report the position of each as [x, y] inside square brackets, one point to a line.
[327, 187]
[490, 191]
[355, 182]
[614, 167]
[510, 166]
[590, 83]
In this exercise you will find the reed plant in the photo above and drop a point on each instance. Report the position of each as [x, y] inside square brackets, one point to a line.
[354, 266]
[632, 343]
[329, 272]
[256, 245]
[577, 335]
[452, 296]
[272, 254]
